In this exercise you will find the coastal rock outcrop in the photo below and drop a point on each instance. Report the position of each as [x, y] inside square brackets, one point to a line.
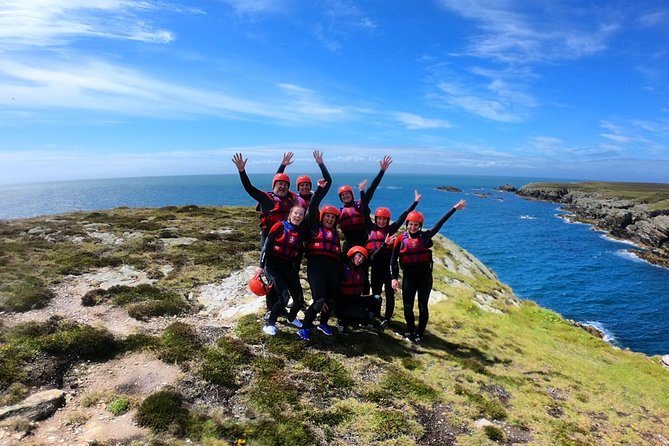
[623, 218]
[449, 189]
[508, 187]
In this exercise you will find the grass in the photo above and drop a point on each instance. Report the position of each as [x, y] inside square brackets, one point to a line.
[526, 368]
[654, 194]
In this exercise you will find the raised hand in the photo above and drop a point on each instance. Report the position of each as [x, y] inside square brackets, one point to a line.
[362, 185]
[417, 196]
[239, 161]
[318, 156]
[460, 205]
[322, 182]
[287, 159]
[390, 239]
[385, 163]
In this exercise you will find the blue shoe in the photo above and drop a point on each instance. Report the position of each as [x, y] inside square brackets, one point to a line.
[325, 329]
[304, 333]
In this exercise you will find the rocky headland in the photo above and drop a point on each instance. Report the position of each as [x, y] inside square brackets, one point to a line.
[630, 211]
[136, 327]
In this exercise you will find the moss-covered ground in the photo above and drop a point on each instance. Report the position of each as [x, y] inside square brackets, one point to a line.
[536, 378]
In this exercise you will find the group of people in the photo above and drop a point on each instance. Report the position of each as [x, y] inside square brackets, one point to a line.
[340, 274]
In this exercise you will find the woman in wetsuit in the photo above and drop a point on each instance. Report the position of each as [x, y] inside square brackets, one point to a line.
[280, 258]
[412, 252]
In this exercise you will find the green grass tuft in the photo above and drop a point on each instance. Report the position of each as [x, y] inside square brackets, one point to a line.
[119, 406]
[163, 411]
[179, 343]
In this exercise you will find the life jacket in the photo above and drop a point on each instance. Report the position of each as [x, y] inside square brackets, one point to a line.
[304, 202]
[326, 243]
[413, 250]
[376, 239]
[353, 281]
[290, 244]
[351, 218]
[280, 210]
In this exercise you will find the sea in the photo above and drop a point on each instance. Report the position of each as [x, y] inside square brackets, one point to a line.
[581, 273]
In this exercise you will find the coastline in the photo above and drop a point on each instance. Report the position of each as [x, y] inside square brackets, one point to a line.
[617, 212]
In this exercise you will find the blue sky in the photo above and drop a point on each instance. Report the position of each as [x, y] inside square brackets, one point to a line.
[121, 88]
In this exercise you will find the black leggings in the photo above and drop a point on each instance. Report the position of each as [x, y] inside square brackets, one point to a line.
[382, 279]
[323, 277]
[416, 279]
[286, 280]
[351, 310]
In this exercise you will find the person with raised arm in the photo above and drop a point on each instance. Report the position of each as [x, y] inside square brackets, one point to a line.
[351, 222]
[379, 245]
[303, 182]
[323, 252]
[412, 252]
[280, 259]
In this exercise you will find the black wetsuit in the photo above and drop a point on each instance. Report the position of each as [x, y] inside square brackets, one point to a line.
[280, 258]
[322, 264]
[352, 307]
[266, 205]
[416, 274]
[355, 233]
[380, 254]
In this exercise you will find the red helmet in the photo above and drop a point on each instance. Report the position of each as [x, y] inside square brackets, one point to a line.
[415, 216]
[382, 212]
[304, 179]
[329, 209]
[357, 250]
[258, 286]
[345, 188]
[280, 177]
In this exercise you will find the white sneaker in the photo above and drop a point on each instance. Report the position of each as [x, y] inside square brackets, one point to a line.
[269, 329]
[296, 322]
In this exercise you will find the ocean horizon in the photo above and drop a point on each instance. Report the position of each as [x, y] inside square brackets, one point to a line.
[580, 273]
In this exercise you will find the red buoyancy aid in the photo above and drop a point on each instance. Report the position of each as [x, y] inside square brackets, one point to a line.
[376, 239]
[351, 218]
[280, 210]
[353, 282]
[290, 244]
[304, 202]
[413, 250]
[326, 243]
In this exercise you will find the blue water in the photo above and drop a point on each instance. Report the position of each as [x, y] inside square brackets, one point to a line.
[566, 267]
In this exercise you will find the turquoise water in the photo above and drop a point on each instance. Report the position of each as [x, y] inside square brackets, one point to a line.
[566, 267]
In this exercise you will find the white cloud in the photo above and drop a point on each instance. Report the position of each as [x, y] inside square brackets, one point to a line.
[552, 31]
[496, 108]
[44, 23]
[415, 122]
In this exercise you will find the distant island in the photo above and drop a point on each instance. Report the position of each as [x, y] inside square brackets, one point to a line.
[449, 189]
[638, 212]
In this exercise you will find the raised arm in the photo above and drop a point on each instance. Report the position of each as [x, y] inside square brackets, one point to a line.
[286, 161]
[437, 227]
[385, 163]
[313, 214]
[318, 156]
[403, 216]
[364, 208]
[395, 263]
[266, 202]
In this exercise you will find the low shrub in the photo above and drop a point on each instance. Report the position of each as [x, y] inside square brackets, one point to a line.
[163, 411]
[28, 295]
[119, 406]
[179, 343]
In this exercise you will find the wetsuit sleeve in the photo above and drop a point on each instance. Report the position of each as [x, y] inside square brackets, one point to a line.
[400, 220]
[364, 208]
[281, 169]
[395, 261]
[431, 233]
[265, 201]
[375, 183]
[326, 176]
[313, 216]
[276, 230]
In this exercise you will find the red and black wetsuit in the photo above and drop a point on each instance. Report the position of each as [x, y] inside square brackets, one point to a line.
[413, 254]
[380, 254]
[351, 221]
[352, 306]
[280, 258]
[323, 252]
[304, 200]
[272, 209]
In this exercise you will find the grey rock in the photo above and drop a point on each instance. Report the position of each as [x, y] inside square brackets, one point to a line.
[36, 407]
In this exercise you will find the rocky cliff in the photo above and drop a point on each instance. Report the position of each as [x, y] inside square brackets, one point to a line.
[627, 216]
